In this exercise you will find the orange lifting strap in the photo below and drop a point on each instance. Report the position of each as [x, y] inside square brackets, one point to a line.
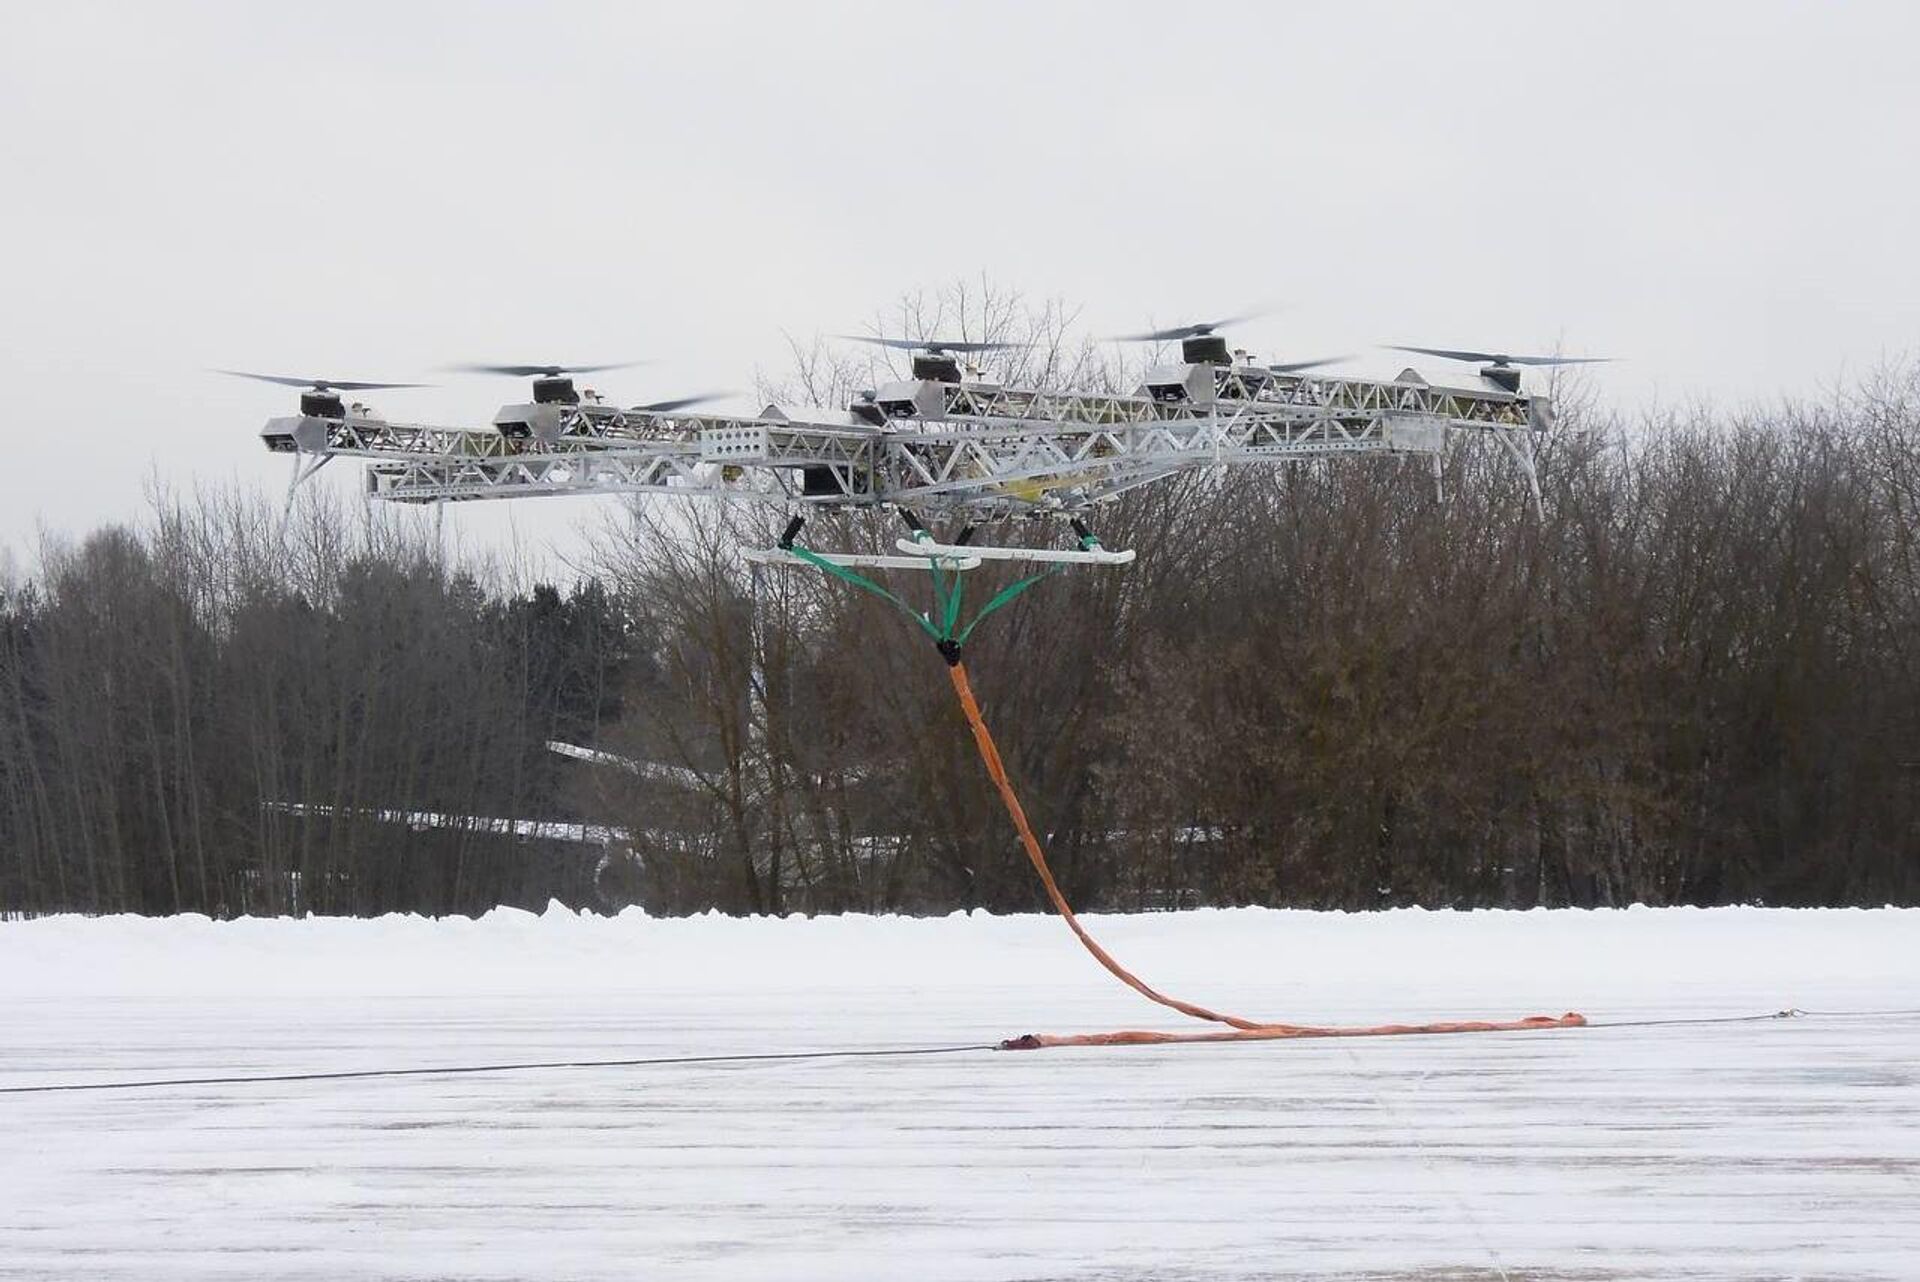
[1238, 1029]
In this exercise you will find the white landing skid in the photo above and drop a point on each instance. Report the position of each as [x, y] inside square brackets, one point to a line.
[957, 558]
[1079, 556]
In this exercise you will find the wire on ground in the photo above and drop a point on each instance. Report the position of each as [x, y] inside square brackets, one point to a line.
[776, 1057]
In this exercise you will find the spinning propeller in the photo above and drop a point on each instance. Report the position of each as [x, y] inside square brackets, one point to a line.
[935, 346]
[541, 371]
[1500, 368]
[1296, 367]
[318, 384]
[565, 393]
[668, 407]
[1199, 329]
[1500, 359]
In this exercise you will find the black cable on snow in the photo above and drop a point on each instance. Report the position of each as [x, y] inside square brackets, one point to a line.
[766, 1057]
[1682, 1020]
[1791, 1012]
[451, 1070]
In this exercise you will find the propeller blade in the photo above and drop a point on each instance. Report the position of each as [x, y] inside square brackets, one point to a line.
[937, 346]
[318, 384]
[1500, 358]
[1559, 360]
[1160, 335]
[1195, 330]
[540, 371]
[1295, 367]
[668, 407]
[1444, 353]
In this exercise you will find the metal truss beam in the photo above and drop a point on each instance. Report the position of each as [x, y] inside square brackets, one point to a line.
[986, 449]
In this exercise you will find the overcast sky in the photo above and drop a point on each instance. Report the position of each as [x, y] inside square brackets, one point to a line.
[1722, 195]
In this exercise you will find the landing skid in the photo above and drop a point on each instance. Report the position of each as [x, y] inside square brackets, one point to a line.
[1060, 556]
[951, 559]
[921, 552]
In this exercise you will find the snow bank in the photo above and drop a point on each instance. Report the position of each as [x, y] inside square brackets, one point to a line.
[1303, 959]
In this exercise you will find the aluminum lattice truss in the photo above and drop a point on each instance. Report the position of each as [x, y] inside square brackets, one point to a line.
[977, 448]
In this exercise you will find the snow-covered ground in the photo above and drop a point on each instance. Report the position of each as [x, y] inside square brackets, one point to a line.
[1776, 1149]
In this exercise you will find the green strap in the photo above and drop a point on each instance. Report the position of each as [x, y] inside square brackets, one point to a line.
[953, 605]
[1005, 595]
[939, 600]
[946, 596]
[863, 582]
[946, 599]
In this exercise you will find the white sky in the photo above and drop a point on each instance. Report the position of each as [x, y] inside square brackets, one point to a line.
[1723, 195]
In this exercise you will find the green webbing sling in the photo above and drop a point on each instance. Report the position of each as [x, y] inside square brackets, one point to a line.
[946, 597]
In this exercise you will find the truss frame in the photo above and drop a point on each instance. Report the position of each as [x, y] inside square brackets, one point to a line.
[987, 450]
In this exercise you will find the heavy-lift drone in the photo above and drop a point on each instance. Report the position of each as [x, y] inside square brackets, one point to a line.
[946, 447]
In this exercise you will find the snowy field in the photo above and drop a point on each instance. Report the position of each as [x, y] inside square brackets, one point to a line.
[1776, 1149]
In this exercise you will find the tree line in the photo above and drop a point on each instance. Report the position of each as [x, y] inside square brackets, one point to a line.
[1694, 681]
[223, 711]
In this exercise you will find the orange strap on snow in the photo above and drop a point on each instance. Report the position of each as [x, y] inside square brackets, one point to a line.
[1240, 1029]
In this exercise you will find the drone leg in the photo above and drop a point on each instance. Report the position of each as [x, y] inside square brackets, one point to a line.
[756, 660]
[301, 473]
[1533, 484]
[759, 692]
[1523, 455]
